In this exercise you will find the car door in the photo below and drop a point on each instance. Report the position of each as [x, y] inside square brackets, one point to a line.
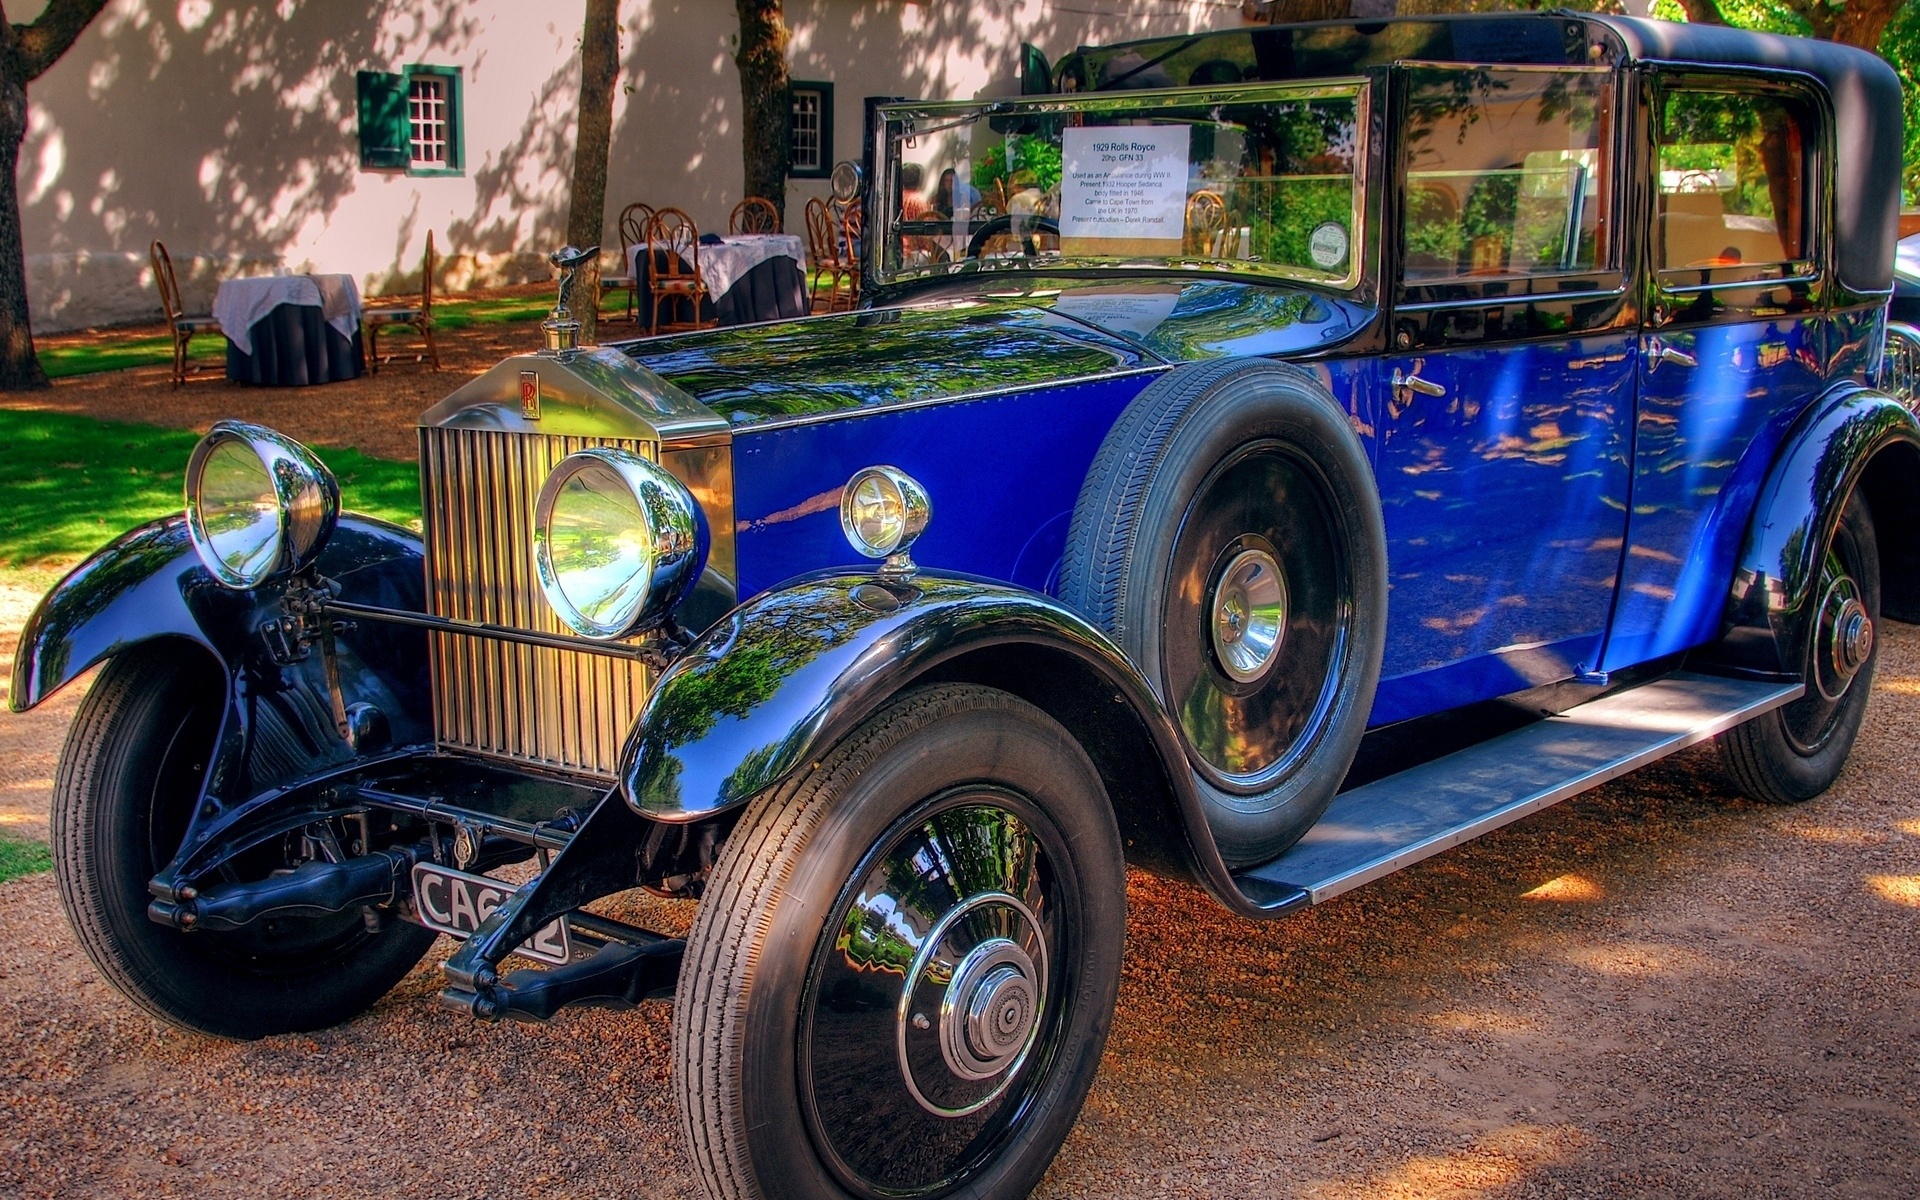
[1508, 392]
[1731, 349]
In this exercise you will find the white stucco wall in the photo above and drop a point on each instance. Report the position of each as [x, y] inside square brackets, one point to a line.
[229, 130]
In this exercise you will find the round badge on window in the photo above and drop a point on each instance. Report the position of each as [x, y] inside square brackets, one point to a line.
[1328, 245]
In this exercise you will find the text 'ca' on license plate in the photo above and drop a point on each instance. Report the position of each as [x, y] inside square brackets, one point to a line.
[455, 903]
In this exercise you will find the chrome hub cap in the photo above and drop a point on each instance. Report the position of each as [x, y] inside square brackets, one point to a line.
[988, 999]
[987, 1016]
[1249, 615]
[1844, 638]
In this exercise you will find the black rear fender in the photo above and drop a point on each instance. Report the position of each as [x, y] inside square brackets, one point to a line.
[1853, 437]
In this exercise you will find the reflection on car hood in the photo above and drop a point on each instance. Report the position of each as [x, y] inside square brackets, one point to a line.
[970, 344]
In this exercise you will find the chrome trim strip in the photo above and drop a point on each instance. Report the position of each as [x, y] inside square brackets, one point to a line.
[1501, 301]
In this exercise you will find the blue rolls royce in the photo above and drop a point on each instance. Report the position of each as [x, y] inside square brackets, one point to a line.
[1268, 458]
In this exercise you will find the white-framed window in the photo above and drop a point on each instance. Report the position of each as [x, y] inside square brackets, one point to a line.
[810, 130]
[429, 131]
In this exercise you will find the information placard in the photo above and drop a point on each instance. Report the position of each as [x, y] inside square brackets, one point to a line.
[1123, 189]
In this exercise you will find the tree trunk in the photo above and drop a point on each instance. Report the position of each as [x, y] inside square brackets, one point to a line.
[19, 366]
[1703, 12]
[1856, 23]
[593, 131]
[764, 104]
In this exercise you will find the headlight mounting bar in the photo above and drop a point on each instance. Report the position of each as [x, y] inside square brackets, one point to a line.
[656, 652]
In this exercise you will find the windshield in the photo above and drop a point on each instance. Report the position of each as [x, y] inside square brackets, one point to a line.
[1260, 179]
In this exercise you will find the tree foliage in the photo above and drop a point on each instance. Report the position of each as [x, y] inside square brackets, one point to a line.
[1890, 27]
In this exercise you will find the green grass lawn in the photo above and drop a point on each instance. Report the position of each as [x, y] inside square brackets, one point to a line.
[19, 858]
[70, 484]
[211, 350]
[62, 361]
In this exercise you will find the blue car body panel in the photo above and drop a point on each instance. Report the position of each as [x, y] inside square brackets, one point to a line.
[1703, 439]
[1560, 510]
[1505, 504]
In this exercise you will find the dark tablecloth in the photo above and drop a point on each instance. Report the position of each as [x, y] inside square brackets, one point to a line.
[774, 289]
[293, 346]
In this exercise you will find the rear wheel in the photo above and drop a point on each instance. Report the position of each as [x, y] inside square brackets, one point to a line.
[902, 975]
[1794, 753]
[129, 777]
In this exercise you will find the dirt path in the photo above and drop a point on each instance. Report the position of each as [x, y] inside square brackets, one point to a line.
[1656, 990]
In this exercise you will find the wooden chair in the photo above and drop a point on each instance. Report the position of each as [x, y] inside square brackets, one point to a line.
[181, 326]
[418, 318]
[673, 263]
[850, 231]
[754, 215]
[633, 231]
[834, 280]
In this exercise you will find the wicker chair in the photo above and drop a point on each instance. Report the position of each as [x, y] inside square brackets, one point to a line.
[418, 318]
[1207, 225]
[633, 231]
[673, 264]
[835, 280]
[754, 215]
[182, 327]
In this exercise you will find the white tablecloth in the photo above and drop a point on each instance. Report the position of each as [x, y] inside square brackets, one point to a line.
[241, 302]
[725, 264]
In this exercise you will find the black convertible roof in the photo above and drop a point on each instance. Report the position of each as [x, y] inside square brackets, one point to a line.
[1864, 90]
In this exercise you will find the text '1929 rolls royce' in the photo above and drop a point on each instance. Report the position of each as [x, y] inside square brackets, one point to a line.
[1268, 458]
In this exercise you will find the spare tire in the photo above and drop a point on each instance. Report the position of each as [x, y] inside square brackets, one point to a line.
[1229, 537]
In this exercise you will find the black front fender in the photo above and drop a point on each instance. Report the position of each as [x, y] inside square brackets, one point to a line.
[1825, 456]
[772, 686]
[150, 585]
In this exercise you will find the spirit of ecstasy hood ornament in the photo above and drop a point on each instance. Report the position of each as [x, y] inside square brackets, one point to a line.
[563, 332]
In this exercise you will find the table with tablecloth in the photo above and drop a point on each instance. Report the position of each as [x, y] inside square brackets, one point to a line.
[291, 330]
[750, 277]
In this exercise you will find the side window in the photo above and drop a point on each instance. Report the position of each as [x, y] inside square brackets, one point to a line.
[810, 130]
[1734, 188]
[1506, 174]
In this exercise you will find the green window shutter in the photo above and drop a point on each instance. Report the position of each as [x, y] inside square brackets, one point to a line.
[383, 121]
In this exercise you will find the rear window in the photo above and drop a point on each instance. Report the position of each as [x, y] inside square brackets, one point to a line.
[1732, 188]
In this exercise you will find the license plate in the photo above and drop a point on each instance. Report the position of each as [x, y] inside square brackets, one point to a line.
[455, 903]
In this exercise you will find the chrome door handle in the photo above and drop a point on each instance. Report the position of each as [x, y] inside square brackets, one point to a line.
[1659, 351]
[1413, 383]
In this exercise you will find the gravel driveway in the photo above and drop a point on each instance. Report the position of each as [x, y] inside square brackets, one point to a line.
[1656, 990]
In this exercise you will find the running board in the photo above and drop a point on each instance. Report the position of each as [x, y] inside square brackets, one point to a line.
[1376, 829]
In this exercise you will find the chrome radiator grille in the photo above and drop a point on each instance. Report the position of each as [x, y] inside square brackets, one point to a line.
[534, 705]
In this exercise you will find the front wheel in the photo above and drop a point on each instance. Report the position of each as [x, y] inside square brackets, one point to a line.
[129, 777]
[902, 976]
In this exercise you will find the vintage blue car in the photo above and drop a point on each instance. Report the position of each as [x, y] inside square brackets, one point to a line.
[1270, 458]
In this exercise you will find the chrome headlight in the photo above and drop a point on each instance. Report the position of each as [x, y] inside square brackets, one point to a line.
[882, 511]
[618, 542]
[258, 503]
